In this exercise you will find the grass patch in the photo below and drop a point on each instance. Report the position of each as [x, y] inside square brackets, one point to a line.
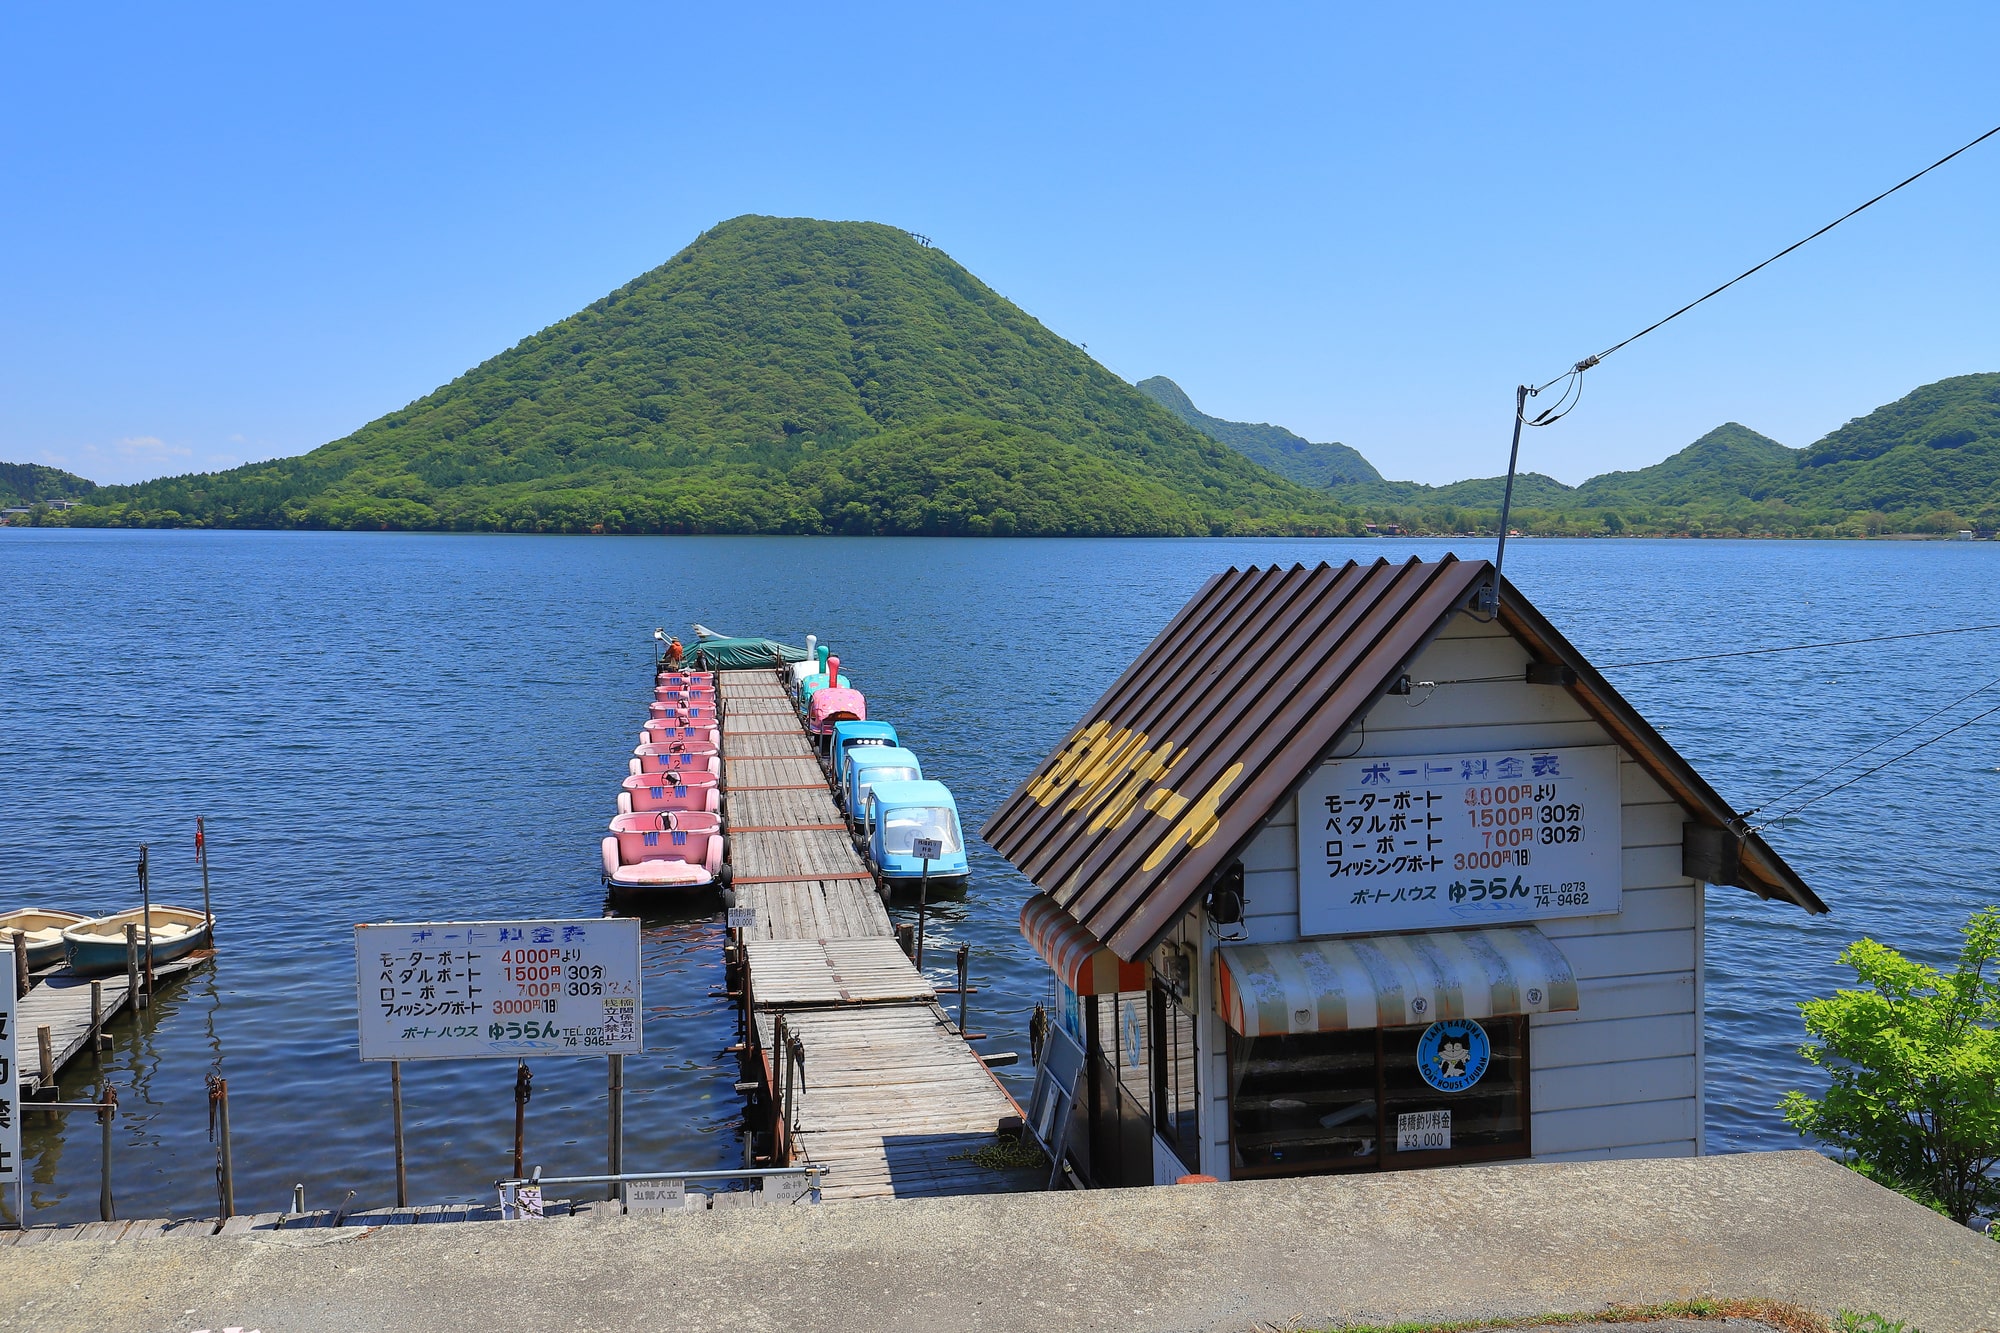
[1019, 1154]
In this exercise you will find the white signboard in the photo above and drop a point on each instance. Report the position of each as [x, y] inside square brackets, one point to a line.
[656, 1196]
[459, 990]
[1415, 842]
[927, 849]
[10, 1079]
[1423, 1131]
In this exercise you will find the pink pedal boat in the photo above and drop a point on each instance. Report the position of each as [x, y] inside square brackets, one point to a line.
[685, 789]
[664, 851]
[661, 730]
[695, 714]
[674, 756]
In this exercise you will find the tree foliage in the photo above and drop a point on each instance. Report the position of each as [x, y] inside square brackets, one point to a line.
[1914, 1067]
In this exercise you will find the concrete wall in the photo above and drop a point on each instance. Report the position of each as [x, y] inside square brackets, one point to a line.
[1620, 1077]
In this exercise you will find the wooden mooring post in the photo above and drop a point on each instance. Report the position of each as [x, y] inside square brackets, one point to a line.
[146, 921]
[45, 1051]
[20, 964]
[524, 1080]
[614, 1148]
[132, 966]
[396, 1106]
[218, 1130]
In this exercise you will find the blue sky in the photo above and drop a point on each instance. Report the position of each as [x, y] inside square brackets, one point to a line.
[237, 233]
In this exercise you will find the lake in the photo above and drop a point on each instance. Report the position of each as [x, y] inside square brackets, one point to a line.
[422, 727]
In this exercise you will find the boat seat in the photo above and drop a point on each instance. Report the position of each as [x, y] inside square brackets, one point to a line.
[168, 932]
[46, 935]
[661, 872]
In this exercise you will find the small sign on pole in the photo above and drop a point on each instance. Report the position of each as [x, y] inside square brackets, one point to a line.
[656, 1196]
[498, 990]
[927, 849]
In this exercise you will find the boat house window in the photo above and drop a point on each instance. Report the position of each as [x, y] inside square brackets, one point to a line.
[1359, 1101]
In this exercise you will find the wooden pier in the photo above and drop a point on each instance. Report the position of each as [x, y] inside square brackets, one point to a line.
[60, 1001]
[858, 1067]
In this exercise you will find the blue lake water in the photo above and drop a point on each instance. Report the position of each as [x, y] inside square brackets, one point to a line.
[434, 727]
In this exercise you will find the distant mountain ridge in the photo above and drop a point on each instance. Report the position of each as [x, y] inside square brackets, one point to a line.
[33, 483]
[1274, 447]
[1934, 454]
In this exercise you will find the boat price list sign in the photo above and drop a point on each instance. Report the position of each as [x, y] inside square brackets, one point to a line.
[460, 990]
[1417, 842]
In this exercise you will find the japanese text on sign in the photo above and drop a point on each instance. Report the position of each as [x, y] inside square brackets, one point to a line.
[461, 990]
[1423, 1131]
[1418, 841]
[10, 1111]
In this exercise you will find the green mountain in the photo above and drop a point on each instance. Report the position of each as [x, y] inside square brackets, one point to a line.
[777, 375]
[1274, 447]
[1731, 462]
[31, 483]
[1929, 462]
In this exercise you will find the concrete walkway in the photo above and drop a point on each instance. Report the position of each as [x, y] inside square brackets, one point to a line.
[1452, 1244]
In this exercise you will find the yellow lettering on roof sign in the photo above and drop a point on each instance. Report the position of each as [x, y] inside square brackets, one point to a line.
[1105, 773]
[1198, 821]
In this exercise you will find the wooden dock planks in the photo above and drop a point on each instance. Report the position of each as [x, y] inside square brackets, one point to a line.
[893, 1101]
[60, 1001]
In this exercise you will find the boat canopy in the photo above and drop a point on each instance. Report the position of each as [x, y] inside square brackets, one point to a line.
[742, 654]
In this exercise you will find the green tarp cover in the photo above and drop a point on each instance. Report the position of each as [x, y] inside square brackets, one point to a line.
[739, 654]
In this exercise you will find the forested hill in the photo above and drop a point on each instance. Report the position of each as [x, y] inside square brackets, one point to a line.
[1928, 462]
[777, 375]
[1274, 447]
[32, 483]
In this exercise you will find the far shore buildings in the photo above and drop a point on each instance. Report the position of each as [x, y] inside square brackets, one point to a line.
[1348, 872]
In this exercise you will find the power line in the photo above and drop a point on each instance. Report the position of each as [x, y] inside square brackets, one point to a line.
[1787, 648]
[1878, 768]
[1590, 361]
[1829, 772]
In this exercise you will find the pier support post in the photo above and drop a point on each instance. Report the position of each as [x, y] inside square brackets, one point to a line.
[396, 1111]
[614, 1148]
[21, 964]
[523, 1088]
[107, 1209]
[132, 994]
[964, 955]
[45, 1052]
[96, 1011]
[218, 1128]
[146, 920]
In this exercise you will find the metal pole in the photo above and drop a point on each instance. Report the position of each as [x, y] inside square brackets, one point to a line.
[396, 1102]
[201, 845]
[523, 1081]
[106, 1206]
[146, 919]
[132, 967]
[1490, 602]
[614, 1149]
[923, 902]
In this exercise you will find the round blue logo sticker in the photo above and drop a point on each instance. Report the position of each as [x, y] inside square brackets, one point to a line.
[1453, 1055]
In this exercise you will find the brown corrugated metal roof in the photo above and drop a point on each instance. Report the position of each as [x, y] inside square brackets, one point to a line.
[1172, 771]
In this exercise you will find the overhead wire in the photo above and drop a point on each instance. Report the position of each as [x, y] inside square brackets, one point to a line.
[1589, 361]
[1787, 814]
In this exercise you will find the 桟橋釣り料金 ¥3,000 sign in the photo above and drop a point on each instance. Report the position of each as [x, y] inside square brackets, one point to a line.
[1412, 842]
[457, 990]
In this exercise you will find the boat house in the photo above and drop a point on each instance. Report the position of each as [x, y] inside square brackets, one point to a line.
[1353, 870]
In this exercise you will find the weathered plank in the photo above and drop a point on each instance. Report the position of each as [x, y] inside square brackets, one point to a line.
[808, 972]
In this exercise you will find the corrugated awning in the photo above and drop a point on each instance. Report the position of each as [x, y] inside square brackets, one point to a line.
[1392, 980]
[1078, 957]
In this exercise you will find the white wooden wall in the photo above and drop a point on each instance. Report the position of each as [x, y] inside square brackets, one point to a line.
[1620, 1077]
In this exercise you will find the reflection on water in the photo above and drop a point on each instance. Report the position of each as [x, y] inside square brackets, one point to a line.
[432, 727]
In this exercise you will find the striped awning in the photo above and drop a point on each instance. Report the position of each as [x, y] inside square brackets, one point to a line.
[1079, 959]
[1392, 980]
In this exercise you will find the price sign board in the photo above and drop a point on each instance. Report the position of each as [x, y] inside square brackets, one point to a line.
[459, 990]
[1415, 842]
[1423, 1131]
[10, 1082]
[927, 849]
